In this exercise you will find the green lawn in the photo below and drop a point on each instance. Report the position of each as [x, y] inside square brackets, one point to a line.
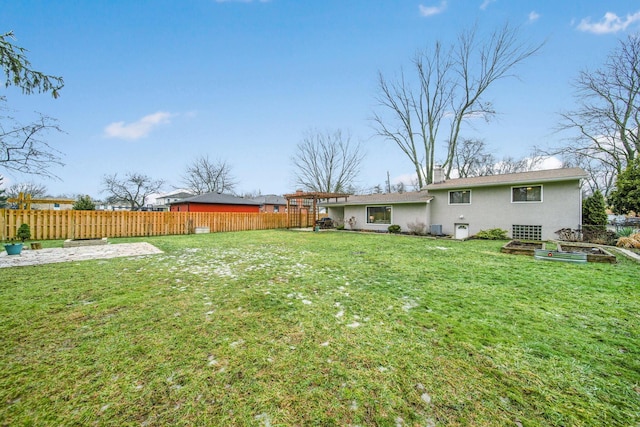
[282, 328]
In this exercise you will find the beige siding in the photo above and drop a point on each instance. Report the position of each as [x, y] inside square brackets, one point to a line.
[491, 207]
[401, 214]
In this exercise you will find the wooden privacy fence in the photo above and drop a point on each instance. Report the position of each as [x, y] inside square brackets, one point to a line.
[56, 225]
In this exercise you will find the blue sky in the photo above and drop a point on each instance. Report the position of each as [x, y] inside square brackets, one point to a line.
[150, 85]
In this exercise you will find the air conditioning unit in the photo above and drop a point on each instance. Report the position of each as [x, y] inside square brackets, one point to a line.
[436, 229]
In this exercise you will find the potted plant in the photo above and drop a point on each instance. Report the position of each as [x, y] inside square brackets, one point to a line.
[23, 233]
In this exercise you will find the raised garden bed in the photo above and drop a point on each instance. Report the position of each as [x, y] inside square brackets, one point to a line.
[551, 255]
[74, 243]
[572, 252]
[594, 253]
[517, 247]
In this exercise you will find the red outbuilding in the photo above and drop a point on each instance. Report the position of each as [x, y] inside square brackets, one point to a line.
[216, 202]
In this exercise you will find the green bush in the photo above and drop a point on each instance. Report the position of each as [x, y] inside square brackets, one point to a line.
[492, 234]
[625, 232]
[84, 203]
[594, 211]
[394, 228]
[24, 232]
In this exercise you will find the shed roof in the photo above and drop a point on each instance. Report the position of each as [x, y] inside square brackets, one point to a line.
[383, 198]
[218, 199]
[548, 175]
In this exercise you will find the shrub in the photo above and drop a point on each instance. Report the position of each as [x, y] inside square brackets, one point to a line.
[625, 232]
[352, 222]
[84, 203]
[633, 241]
[417, 228]
[594, 211]
[598, 235]
[492, 234]
[24, 232]
[394, 228]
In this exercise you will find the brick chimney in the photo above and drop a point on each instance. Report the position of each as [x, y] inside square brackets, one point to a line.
[438, 174]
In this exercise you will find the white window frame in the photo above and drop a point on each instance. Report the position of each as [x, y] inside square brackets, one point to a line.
[528, 186]
[459, 191]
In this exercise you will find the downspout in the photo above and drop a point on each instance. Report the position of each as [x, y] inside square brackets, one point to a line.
[580, 183]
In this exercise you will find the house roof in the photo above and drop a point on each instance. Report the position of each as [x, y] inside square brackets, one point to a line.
[383, 198]
[270, 199]
[218, 199]
[180, 194]
[549, 175]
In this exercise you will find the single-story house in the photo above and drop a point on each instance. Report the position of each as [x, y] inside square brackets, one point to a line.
[215, 202]
[529, 205]
[271, 203]
[53, 204]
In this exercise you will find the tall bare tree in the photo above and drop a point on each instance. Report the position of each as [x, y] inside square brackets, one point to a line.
[451, 85]
[133, 189]
[205, 176]
[326, 161]
[607, 120]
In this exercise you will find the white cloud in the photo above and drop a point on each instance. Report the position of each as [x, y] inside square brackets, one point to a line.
[486, 4]
[610, 23]
[139, 129]
[433, 10]
[546, 163]
[533, 16]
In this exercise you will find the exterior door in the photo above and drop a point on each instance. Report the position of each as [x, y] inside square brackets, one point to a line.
[462, 231]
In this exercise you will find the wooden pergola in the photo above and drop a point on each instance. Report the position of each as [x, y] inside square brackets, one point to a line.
[24, 201]
[302, 207]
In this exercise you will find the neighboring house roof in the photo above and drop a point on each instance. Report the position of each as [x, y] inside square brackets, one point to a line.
[181, 194]
[383, 198]
[270, 199]
[218, 199]
[549, 175]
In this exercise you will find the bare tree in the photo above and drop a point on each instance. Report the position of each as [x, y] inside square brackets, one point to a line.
[206, 176]
[472, 159]
[416, 115]
[24, 149]
[602, 176]
[133, 189]
[607, 120]
[326, 161]
[510, 164]
[452, 83]
[36, 190]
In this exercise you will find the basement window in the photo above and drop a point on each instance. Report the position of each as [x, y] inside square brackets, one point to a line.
[527, 232]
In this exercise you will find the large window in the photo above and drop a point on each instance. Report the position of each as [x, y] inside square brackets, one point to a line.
[460, 197]
[526, 194]
[378, 214]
